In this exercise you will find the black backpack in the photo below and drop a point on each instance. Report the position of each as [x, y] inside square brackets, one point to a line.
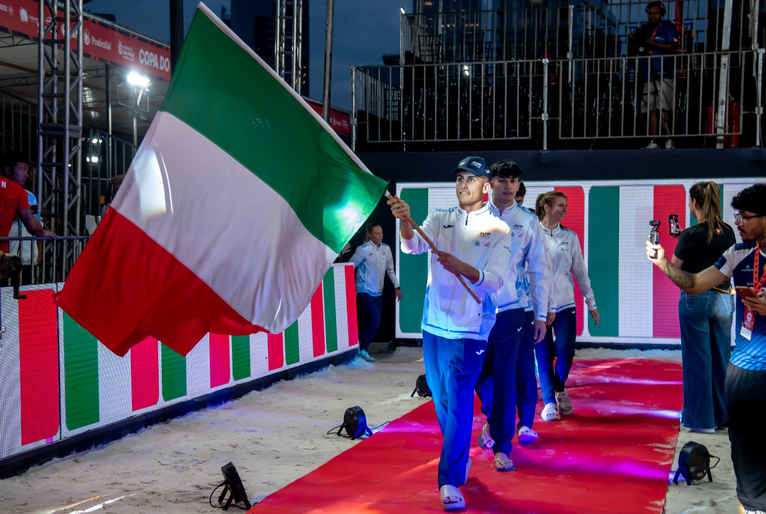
[421, 387]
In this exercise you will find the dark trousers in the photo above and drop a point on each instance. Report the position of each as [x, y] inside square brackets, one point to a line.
[496, 385]
[746, 406]
[526, 380]
[452, 367]
[553, 380]
[368, 310]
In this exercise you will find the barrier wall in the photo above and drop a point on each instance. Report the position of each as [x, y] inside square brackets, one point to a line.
[59, 381]
[637, 303]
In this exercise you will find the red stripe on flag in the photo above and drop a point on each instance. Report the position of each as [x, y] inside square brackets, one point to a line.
[667, 200]
[353, 332]
[39, 366]
[148, 303]
[276, 349]
[145, 374]
[575, 221]
[317, 322]
[220, 363]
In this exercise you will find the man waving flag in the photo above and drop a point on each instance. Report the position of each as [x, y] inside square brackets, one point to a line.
[236, 204]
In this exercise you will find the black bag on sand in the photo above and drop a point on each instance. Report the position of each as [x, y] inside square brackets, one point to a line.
[421, 387]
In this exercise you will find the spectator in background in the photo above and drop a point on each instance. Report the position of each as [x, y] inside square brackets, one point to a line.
[705, 318]
[522, 192]
[657, 37]
[746, 374]
[14, 201]
[29, 251]
[372, 260]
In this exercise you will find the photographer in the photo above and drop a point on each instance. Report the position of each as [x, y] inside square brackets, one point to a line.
[746, 374]
[657, 37]
[705, 318]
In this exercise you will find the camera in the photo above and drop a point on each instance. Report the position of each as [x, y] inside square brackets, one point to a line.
[654, 235]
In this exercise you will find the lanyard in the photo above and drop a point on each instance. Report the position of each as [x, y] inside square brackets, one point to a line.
[758, 284]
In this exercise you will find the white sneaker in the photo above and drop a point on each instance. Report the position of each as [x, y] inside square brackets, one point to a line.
[651, 146]
[669, 144]
[565, 404]
[527, 435]
[366, 356]
[550, 412]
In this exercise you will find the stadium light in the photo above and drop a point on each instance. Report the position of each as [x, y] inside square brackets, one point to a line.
[138, 80]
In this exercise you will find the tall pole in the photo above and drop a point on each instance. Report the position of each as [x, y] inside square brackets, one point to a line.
[176, 30]
[327, 61]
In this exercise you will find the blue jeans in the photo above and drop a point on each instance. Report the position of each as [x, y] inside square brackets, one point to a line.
[705, 320]
[452, 367]
[552, 380]
[526, 380]
[496, 385]
[368, 313]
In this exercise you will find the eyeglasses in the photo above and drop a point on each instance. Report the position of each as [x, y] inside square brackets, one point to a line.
[738, 218]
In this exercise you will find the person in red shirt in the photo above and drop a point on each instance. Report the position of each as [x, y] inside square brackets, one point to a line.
[13, 201]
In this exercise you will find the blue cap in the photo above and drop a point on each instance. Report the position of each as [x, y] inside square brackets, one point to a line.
[475, 165]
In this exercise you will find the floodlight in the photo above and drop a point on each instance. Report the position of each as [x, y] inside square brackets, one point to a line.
[137, 79]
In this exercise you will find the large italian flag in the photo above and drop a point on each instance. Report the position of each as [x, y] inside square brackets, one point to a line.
[237, 202]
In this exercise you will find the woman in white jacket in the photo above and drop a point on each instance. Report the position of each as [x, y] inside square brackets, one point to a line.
[566, 260]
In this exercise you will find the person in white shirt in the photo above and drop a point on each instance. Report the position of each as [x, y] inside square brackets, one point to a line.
[566, 260]
[497, 382]
[372, 261]
[475, 245]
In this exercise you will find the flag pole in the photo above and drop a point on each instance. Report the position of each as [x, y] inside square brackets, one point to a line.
[433, 247]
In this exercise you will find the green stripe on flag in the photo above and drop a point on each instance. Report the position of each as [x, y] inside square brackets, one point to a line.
[292, 346]
[173, 374]
[330, 323]
[240, 356]
[413, 269]
[80, 375]
[604, 258]
[270, 133]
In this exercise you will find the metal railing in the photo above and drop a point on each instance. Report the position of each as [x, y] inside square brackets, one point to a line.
[510, 75]
[45, 261]
[584, 98]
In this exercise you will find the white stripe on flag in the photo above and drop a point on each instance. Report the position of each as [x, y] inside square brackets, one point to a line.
[635, 275]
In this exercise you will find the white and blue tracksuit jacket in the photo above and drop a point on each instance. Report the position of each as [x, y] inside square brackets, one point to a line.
[479, 239]
[566, 258]
[527, 257]
[372, 263]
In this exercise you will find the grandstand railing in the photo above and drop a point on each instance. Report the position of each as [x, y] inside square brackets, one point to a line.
[557, 75]
[44, 260]
[586, 98]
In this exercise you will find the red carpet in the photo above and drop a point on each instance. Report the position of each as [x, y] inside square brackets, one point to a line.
[612, 455]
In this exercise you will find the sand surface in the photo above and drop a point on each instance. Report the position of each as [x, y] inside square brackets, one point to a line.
[274, 437]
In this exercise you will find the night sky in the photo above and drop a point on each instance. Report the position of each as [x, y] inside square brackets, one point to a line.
[364, 31]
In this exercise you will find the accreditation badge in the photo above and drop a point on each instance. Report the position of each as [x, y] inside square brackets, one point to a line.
[748, 322]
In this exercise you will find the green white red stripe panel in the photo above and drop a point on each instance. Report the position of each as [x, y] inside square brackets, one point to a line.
[29, 365]
[612, 222]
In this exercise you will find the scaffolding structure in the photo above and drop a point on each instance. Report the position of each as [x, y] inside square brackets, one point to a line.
[59, 113]
[289, 42]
